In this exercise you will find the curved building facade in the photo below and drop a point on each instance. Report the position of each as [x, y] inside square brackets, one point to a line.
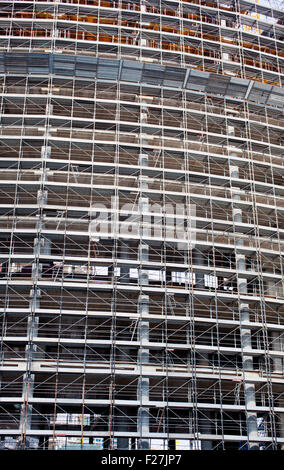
[141, 225]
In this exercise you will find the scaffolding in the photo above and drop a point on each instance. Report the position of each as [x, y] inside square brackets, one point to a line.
[141, 338]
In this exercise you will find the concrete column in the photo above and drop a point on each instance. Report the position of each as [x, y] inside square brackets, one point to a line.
[281, 426]
[143, 354]
[143, 382]
[205, 425]
[245, 333]
[41, 246]
[26, 408]
[124, 254]
[123, 353]
[143, 6]
[28, 379]
[198, 259]
[45, 152]
[143, 425]
[225, 55]
[277, 345]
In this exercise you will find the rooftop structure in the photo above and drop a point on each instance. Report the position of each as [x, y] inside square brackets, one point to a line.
[141, 224]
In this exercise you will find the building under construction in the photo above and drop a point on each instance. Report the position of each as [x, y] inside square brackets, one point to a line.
[149, 338]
